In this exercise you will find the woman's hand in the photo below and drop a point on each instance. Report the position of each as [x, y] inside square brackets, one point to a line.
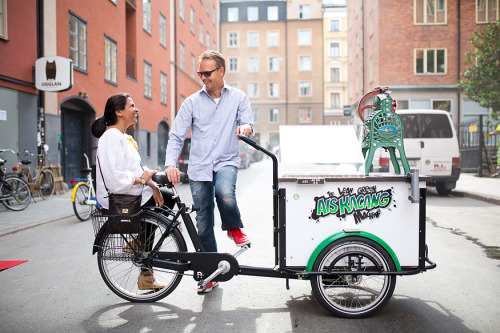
[147, 174]
[157, 196]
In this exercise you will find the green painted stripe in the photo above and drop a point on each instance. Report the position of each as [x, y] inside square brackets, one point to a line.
[343, 234]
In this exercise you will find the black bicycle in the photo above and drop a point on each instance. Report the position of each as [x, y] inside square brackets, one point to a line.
[15, 193]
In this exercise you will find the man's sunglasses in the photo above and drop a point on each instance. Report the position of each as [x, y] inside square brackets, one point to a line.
[207, 74]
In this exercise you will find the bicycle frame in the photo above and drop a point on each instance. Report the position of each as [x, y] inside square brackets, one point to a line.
[91, 199]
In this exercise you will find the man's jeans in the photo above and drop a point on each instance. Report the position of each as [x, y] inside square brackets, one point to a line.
[223, 187]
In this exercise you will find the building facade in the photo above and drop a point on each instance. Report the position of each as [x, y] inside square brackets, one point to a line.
[416, 48]
[274, 51]
[146, 48]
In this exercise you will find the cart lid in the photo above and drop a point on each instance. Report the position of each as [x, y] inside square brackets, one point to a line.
[319, 150]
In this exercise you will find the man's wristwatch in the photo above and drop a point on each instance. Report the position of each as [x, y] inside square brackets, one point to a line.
[143, 181]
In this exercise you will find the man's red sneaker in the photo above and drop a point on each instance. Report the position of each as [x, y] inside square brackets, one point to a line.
[211, 285]
[238, 236]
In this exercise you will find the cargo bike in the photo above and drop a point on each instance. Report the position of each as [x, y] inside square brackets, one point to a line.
[347, 233]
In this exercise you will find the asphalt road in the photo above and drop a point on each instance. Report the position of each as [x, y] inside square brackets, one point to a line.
[59, 289]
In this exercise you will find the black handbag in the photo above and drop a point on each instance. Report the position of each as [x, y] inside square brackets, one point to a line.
[124, 214]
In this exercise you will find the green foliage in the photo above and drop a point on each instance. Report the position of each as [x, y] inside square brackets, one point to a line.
[481, 80]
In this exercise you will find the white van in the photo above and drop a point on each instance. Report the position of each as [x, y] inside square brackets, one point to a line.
[431, 145]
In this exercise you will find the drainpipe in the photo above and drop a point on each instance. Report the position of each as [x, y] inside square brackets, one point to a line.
[459, 64]
[363, 46]
[41, 101]
[175, 59]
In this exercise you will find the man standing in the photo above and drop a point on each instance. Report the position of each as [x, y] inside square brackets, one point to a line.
[216, 114]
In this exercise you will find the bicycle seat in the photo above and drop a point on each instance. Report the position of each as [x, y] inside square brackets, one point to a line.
[86, 170]
[25, 162]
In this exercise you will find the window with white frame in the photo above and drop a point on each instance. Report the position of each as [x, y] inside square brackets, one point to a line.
[213, 16]
[201, 33]
[163, 30]
[253, 13]
[334, 49]
[192, 20]
[3, 19]
[255, 113]
[304, 89]
[272, 13]
[182, 56]
[208, 7]
[273, 64]
[253, 90]
[304, 63]
[273, 38]
[430, 11]
[163, 88]
[110, 60]
[148, 80]
[334, 74]
[253, 39]
[181, 9]
[273, 90]
[208, 40]
[304, 37]
[444, 105]
[334, 25]
[430, 61]
[274, 116]
[486, 11]
[334, 100]
[305, 115]
[233, 65]
[233, 85]
[233, 14]
[146, 16]
[193, 66]
[253, 64]
[304, 12]
[232, 40]
[78, 42]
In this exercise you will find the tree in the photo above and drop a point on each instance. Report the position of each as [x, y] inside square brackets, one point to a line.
[481, 80]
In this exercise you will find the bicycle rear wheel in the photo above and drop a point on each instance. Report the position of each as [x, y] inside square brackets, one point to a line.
[46, 184]
[15, 193]
[81, 209]
[120, 262]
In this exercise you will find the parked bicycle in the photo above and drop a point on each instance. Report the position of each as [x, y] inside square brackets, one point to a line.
[14, 191]
[43, 183]
[83, 195]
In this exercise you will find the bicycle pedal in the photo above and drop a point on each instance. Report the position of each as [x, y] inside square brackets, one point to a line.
[241, 250]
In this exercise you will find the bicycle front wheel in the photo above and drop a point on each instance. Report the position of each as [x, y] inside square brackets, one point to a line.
[15, 193]
[120, 261]
[81, 209]
[46, 184]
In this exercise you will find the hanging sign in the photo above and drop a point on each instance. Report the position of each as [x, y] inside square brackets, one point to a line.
[53, 74]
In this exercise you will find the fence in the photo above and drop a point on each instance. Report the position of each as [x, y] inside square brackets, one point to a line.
[478, 150]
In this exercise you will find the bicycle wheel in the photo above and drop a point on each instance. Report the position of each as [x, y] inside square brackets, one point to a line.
[356, 295]
[15, 193]
[81, 209]
[46, 184]
[120, 263]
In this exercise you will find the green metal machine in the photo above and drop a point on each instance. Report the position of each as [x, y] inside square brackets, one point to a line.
[382, 129]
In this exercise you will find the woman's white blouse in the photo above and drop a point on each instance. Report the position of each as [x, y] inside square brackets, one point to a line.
[120, 164]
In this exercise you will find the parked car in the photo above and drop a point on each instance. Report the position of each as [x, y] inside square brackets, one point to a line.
[245, 155]
[183, 162]
[431, 145]
[255, 155]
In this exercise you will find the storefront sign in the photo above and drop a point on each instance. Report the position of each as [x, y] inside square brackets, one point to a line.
[53, 74]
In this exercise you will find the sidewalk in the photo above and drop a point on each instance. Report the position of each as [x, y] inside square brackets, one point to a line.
[59, 206]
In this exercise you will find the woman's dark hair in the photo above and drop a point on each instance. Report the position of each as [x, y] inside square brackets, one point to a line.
[114, 103]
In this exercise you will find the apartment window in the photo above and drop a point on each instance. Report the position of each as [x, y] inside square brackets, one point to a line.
[208, 7]
[193, 66]
[486, 11]
[110, 60]
[334, 25]
[272, 38]
[273, 64]
[233, 85]
[253, 39]
[253, 90]
[232, 40]
[181, 9]
[201, 32]
[182, 56]
[3, 19]
[232, 14]
[78, 42]
[255, 113]
[334, 74]
[272, 13]
[208, 40]
[213, 17]
[334, 100]
[305, 115]
[334, 49]
[274, 116]
[304, 37]
[148, 144]
[430, 61]
[430, 11]
[370, 24]
[444, 105]
[163, 30]
[148, 80]
[305, 89]
[305, 12]
[253, 64]
[113, 1]
[163, 88]
[146, 16]
[233, 65]
[192, 19]
[273, 90]
[253, 13]
[304, 63]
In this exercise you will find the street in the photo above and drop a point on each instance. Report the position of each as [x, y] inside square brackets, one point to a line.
[60, 289]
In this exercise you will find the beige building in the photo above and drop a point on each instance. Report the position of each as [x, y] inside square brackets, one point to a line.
[274, 54]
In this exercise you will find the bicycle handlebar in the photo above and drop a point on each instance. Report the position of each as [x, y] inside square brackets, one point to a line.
[162, 179]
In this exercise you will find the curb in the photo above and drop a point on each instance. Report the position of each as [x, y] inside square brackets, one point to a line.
[32, 225]
[476, 196]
